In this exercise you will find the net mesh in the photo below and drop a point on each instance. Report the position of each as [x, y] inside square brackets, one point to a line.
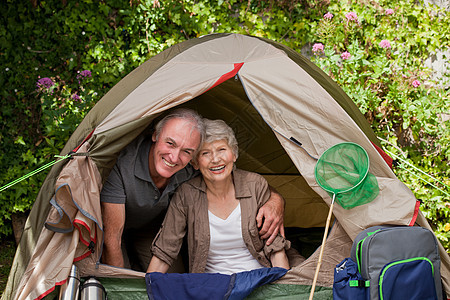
[343, 170]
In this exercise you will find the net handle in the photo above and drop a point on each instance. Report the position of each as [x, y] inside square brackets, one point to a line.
[324, 240]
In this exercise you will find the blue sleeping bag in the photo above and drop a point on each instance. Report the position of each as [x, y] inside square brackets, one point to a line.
[208, 286]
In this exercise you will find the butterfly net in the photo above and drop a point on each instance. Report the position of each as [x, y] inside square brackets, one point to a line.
[343, 170]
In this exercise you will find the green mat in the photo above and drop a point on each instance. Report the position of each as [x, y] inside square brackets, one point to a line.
[134, 289]
[290, 291]
[124, 288]
[130, 289]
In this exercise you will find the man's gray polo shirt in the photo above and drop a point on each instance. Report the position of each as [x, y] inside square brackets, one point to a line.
[129, 182]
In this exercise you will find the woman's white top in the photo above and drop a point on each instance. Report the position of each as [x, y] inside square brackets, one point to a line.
[227, 251]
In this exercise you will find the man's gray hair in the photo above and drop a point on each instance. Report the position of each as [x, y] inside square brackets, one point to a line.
[219, 130]
[185, 114]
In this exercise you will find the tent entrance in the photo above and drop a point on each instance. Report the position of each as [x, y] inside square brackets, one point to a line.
[261, 152]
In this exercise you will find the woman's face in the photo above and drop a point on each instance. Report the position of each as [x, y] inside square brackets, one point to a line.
[215, 161]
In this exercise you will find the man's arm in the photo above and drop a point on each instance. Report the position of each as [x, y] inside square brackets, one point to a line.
[271, 217]
[113, 224]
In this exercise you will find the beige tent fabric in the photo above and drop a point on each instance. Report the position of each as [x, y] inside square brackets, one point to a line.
[91, 267]
[74, 222]
[46, 269]
[296, 106]
[163, 90]
[337, 247]
[186, 76]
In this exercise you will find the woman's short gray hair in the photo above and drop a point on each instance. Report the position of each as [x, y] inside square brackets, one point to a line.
[216, 130]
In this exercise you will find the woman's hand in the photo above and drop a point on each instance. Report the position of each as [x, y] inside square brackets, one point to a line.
[157, 265]
[280, 259]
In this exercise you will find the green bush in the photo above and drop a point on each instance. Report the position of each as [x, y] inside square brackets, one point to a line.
[373, 50]
[56, 39]
[376, 55]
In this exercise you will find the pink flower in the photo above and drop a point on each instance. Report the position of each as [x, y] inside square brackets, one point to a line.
[385, 44]
[318, 47]
[351, 16]
[328, 16]
[416, 83]
[345, 55]
[389, 11]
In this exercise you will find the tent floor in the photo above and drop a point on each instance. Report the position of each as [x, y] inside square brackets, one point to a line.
[135, 289]
[130, 289]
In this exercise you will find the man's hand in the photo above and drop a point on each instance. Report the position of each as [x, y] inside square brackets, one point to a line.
[271, 217]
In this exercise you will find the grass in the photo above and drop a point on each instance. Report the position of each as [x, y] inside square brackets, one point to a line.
[7, 251]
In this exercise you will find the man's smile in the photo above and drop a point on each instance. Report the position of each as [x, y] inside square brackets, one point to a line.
[168, 163]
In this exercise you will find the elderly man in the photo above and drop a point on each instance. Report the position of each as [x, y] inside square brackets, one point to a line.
[137, 192]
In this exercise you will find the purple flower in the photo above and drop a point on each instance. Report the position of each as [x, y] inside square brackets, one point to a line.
[328, 16]
[45, 83]
[351, 16]
[84, 74]
[345, 55]
[389, 11]
[385, 44]
[416, 83]
[75, 97]
[318, 47]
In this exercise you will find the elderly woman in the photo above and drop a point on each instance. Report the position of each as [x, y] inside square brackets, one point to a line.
[218, 212]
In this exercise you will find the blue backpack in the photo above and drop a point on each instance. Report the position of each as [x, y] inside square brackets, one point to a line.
[399, 262]
[348, 282]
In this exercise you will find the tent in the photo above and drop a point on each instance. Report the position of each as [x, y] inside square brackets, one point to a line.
[285, 111]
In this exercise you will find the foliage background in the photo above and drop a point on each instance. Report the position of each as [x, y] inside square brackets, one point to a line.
[58, 39]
